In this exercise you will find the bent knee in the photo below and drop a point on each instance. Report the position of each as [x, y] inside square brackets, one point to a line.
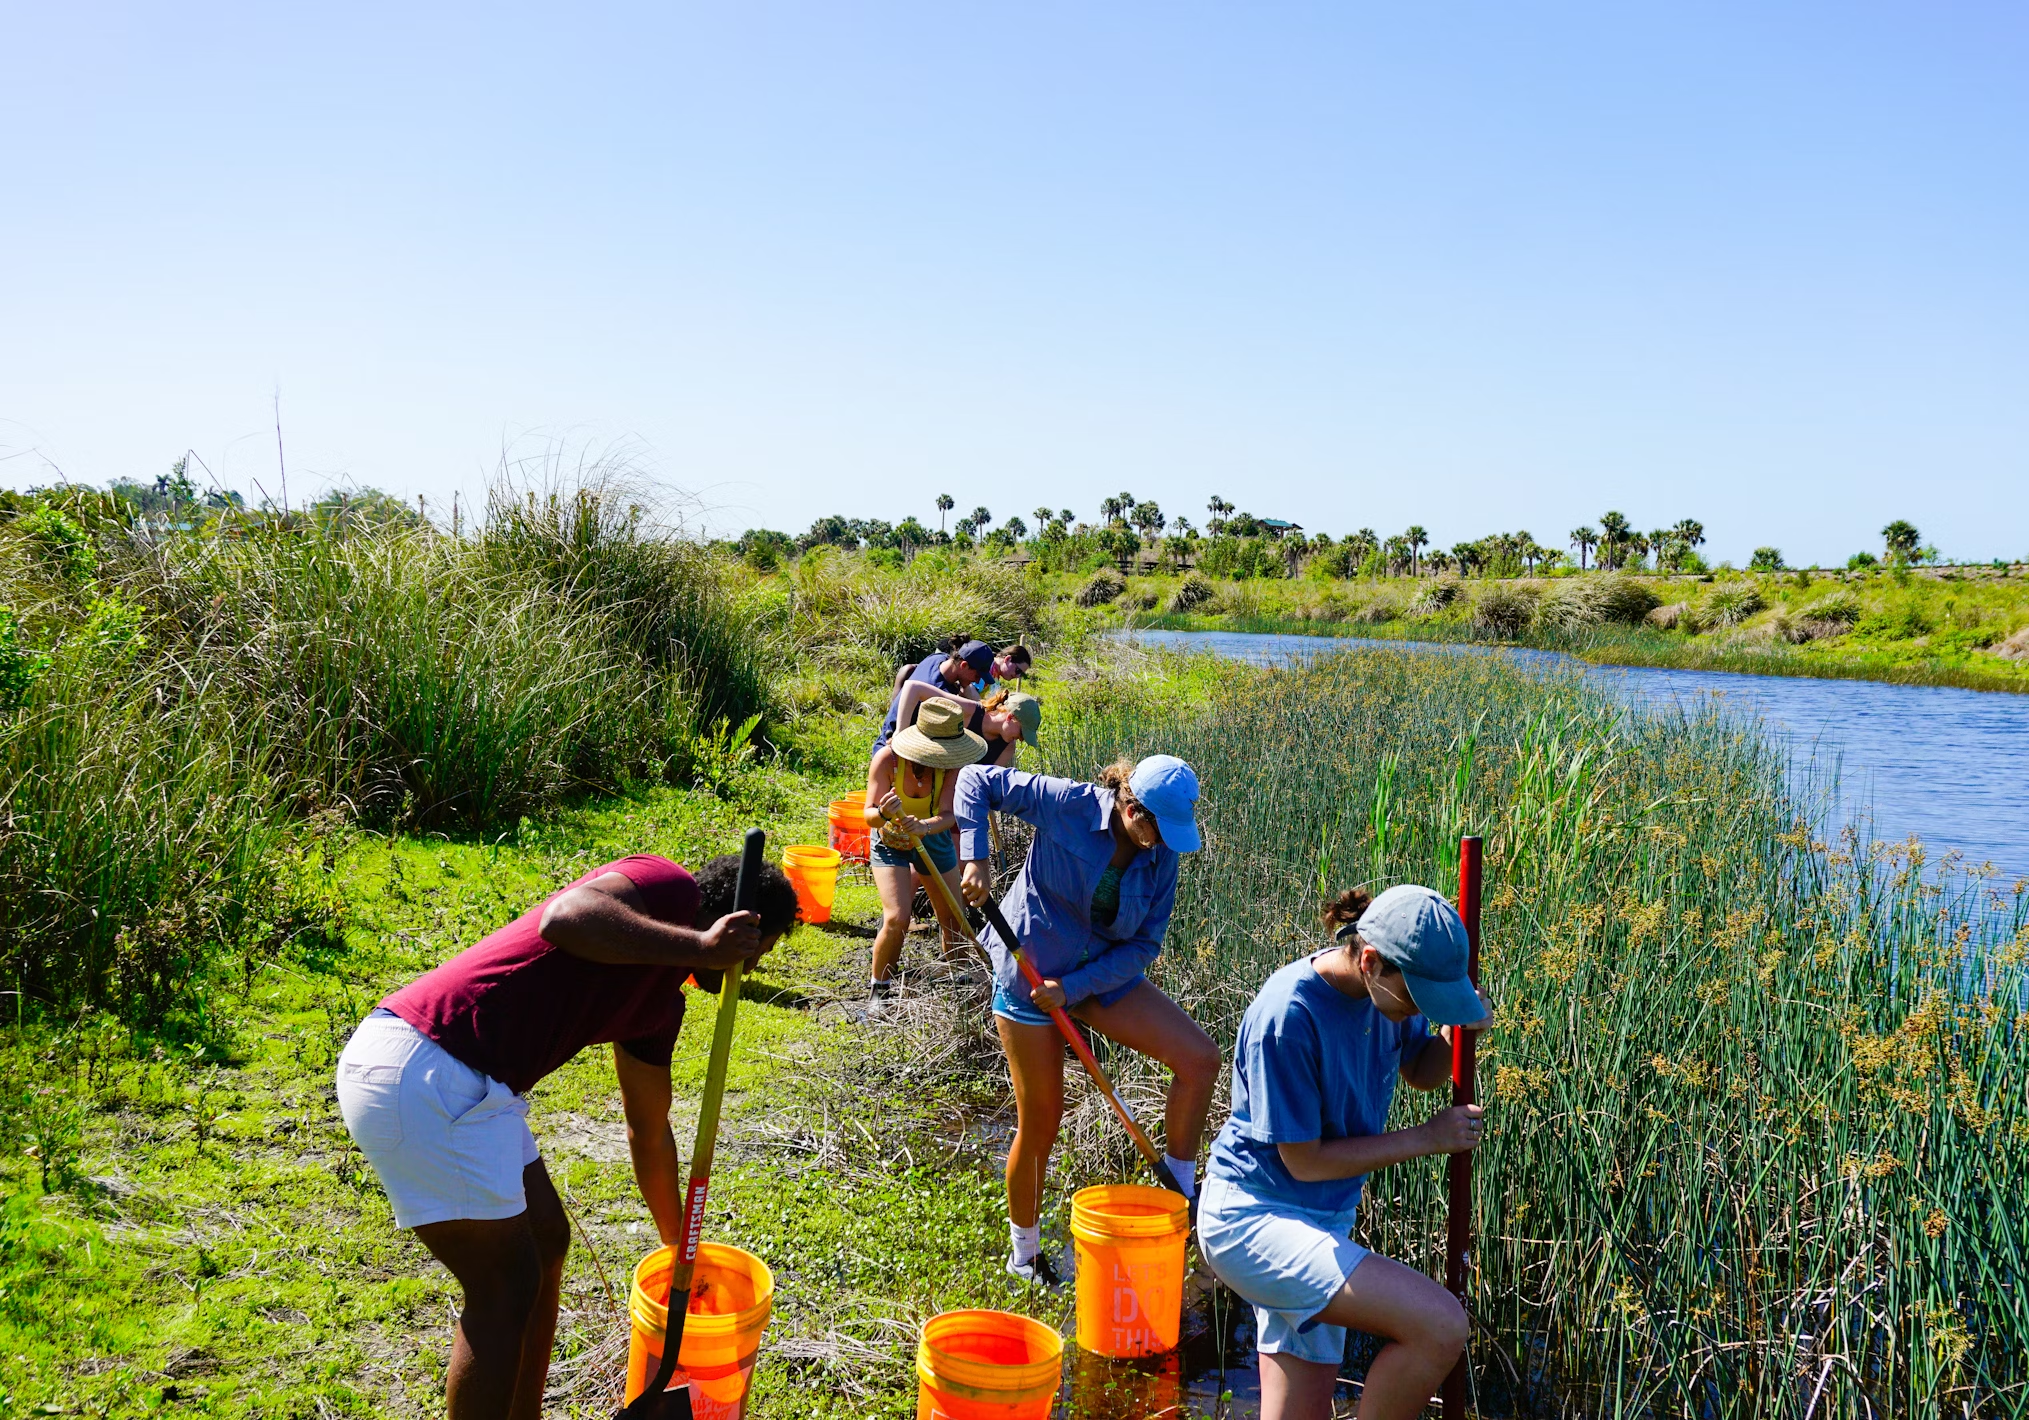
[1448, 1329]
[1198, 1061]
[552, 1240]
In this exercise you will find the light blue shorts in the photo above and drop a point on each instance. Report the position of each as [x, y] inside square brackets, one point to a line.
[1024, 1012]
[1288, 1262]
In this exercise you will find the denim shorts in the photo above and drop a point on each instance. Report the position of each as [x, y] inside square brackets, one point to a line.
[1288, 1262]
[1024, 1012]
[942, 848]
[446, 1140]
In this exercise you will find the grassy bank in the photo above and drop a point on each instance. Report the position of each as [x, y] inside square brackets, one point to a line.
[1969, 630]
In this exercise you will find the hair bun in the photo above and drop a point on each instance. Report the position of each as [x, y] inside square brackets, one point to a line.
[1347, 907]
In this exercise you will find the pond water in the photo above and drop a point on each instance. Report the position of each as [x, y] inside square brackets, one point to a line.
[1950, 767]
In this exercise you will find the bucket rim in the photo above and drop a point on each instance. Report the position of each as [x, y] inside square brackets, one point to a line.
[984, 1380]
[1092, 1220]
[649, 1312]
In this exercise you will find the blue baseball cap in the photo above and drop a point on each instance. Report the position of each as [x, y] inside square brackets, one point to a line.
[978, 655]
[1418, 932]
[1168, 788]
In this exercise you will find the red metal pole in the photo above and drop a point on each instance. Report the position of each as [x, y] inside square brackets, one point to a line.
[1458, 1230]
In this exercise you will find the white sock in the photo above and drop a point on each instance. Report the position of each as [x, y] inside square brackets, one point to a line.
[1185, 1171]
[1027, 1242]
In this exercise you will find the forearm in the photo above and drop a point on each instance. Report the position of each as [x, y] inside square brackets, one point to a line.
[1346, 1158]
[658, 1172]
[611, 932]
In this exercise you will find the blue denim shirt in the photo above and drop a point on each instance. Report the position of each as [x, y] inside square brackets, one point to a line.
[1049, 906]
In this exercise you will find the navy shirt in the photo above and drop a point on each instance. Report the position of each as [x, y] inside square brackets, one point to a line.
[928, 670]
[1311, 1063]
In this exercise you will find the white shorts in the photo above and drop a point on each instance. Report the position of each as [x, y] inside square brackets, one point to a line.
[1288, 1262]
[447, 1141]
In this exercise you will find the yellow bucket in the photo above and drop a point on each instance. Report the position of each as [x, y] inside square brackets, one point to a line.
[813, 871]
[1130, 1240]
[980, 1365]
[731, 1294]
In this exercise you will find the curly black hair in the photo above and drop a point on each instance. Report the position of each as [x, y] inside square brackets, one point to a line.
[776, 900]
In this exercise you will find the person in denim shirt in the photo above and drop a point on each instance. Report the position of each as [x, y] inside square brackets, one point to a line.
[1090, 907]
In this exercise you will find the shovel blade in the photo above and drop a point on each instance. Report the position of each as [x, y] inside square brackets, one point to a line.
[659, 1405]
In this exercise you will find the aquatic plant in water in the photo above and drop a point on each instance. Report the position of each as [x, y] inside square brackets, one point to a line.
[1759, 1135]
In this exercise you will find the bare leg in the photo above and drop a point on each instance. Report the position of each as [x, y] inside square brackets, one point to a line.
[1035, 1063]
[954, 929]
[897, 886]
[511, 1270]
[1296, 1390]
[552, 1229]
[1425, 1329]
[1148, 1021]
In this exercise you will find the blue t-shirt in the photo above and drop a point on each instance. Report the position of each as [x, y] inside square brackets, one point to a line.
[1311, 1063]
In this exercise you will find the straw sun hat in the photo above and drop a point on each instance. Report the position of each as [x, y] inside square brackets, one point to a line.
[939, 739]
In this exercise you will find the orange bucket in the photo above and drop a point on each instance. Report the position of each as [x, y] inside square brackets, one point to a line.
[731, 1295]
[1130, 1240]
[849, 826]
[987, 1366]
[813, 872]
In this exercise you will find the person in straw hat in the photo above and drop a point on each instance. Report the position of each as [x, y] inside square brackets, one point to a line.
[910, 784]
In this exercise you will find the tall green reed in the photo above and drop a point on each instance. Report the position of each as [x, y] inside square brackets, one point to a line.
[180, 703]
[1759, 1138]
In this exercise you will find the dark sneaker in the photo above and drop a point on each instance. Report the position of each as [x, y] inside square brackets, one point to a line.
[1038, 1269]
[881, 990]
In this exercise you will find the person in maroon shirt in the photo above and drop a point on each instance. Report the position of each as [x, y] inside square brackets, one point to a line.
[432, 1088]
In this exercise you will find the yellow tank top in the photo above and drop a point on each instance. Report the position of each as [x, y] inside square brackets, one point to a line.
[915, 806]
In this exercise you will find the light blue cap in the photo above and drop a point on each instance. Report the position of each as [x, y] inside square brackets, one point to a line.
[1168, 788]
[1418, 932]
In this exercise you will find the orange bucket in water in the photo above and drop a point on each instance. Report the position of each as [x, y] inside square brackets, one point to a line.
[1130, 1240]
[987, 1366]
[849, 826]
[731, 1294]
[813, 872]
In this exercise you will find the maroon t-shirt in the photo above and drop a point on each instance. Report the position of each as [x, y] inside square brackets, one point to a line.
[514, 1007]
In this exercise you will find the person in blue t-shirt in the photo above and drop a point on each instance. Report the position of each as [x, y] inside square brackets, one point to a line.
[1314, 1074]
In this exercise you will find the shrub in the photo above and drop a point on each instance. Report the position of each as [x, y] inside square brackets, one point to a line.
[1729, 606]
[1897, 623]
[1611, 600]
[1435, 597]
[1105, 585]
[1765, 559]
[1677, 616]
[1191, 593]
[1504, 609]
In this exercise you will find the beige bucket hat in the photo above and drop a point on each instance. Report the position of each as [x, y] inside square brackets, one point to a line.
[939, 739]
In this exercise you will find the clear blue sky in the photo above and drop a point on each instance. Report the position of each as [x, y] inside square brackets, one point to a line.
[1479, 267]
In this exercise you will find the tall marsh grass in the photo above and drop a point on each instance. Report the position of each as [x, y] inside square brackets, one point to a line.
[1759, 1138]
[178, 705]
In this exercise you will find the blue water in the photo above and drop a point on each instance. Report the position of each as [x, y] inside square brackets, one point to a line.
[1950, 767]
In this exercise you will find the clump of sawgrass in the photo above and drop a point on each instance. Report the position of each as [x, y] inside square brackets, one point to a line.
[1504, 610]
[1759, 1134]
[1731, 605]
[1439, 594]
[1192, 592]
[1102, 587]
[1584, 602]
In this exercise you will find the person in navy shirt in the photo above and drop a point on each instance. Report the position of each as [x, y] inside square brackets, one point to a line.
[1090, 907]
[958, 672]
[1314, 1074]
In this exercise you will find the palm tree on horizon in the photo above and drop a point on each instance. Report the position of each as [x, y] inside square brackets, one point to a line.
[1417, 539]
[1584, 539]
[945, 503]
[1613, 536]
